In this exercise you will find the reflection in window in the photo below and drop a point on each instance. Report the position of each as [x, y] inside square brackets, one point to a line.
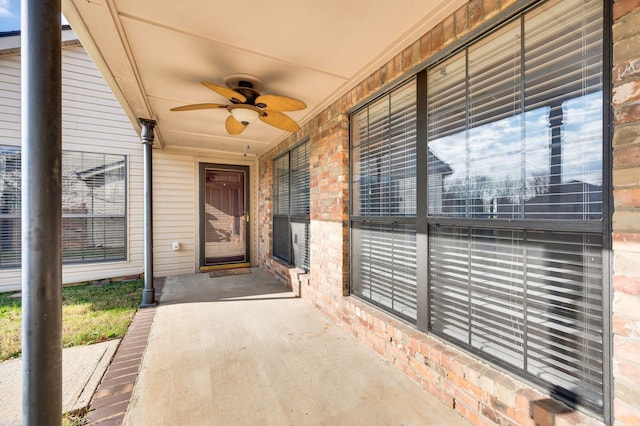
[93, 207]
[384, 203]
[384, 152]
[520, 147]
[515, 131]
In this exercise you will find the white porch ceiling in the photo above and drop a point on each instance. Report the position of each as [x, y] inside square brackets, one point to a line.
[155, 53]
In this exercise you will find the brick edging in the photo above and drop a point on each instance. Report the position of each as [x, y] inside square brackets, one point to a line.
[111, 399]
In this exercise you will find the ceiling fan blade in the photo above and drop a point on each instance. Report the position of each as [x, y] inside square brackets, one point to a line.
[279, 103]
[225, 91]
[233, 126]
[197, 106]
[280, 120]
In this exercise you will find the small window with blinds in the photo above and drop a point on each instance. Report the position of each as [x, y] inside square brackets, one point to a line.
[93, 207]
[291, 206]
[383, 202]
[515, 153]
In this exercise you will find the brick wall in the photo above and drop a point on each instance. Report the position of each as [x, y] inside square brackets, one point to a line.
[479, 392]
[626, 218]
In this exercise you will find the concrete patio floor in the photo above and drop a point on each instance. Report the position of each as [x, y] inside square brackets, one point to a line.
[243, 350]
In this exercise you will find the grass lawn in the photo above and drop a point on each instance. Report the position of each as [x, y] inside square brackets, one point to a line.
[90, 314]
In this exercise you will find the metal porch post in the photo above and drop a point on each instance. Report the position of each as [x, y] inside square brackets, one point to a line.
[147, 138]
[41, 213]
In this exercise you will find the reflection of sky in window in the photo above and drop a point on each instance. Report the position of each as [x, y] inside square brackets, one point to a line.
[494, 149]
[582, 136]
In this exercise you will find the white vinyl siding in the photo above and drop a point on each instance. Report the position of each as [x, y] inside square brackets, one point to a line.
[174, 208]
[92, 121]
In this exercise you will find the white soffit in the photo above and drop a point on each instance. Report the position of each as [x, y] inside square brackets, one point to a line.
[155, 53]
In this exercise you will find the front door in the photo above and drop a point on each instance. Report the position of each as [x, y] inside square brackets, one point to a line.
[224, 216]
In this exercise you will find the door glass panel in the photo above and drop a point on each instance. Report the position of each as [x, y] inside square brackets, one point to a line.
[224, 216]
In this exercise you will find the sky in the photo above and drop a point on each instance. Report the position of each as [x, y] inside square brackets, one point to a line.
[10, 15]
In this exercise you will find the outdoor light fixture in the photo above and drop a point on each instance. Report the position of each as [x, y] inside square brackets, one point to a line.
[244, 115]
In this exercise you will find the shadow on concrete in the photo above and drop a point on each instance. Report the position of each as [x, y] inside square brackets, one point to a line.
[200, 288]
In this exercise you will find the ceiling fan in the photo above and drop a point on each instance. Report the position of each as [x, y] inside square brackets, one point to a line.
[247, 104]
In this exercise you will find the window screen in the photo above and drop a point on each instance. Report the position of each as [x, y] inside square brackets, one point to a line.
[291, 206]
[93, 207]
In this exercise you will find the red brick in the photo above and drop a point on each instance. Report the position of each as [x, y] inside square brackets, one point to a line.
[109, 400]
[626, 135]
[448, 30]
[573, 418]
[625, 70]
[627, 221]
[490, 7]
[436, 38]
[626, 93]
[626, 198]
[626, 284]
[627, 114]
[425, 46]
[545, 411]
[105, 391]
[112, 374]
[108, 412]
[626, 49]
[626, 327]
[523, 403]
[626, 375]
[490, 414]
[476, 13]
[624, 7]
[625, 413]
[462, 24]
[384, 74]
[471, 415]
[474, 391]
[627, 156]
[398, 65]
[414, 345]
[627, 349]
[626, 306]
[406, 55]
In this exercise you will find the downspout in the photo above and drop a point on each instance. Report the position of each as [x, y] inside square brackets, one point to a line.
[41, 213]
[146, 137]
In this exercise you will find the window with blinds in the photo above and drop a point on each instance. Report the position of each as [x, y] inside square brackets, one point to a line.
[93, 207]
[383, 202]
[515, 132]
[291, 206]
[517, 120]
[514, 208]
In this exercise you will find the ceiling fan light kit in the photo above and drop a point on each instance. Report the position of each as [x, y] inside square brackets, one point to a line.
[247, 104]
[244, 115]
